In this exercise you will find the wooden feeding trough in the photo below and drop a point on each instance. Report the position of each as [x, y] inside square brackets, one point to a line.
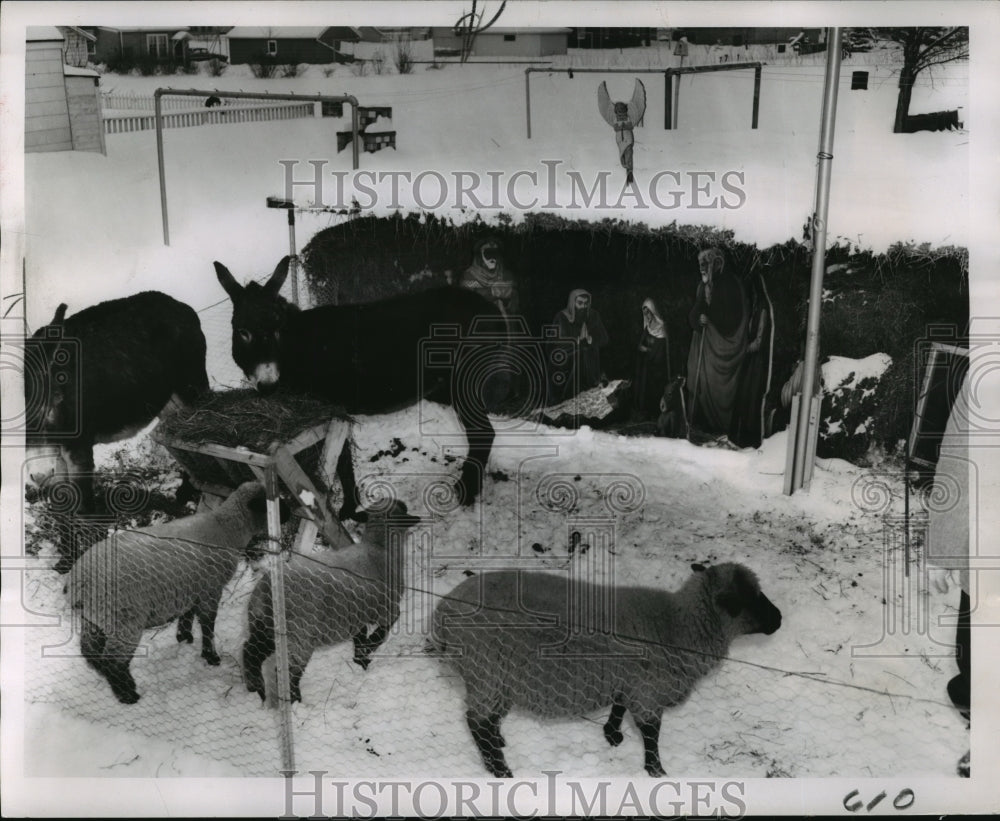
[207, 440]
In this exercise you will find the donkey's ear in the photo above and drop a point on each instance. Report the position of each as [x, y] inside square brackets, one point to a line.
[273, 285]
[59, 315]
[228, 281]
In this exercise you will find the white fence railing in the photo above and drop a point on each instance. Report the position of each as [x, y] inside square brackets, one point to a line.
[123, 123]
[142, 102]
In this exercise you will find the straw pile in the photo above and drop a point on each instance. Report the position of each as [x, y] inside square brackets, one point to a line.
[245, 418]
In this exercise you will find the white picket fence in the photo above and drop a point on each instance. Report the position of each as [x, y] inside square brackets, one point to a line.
[136, 102]
[123, 123]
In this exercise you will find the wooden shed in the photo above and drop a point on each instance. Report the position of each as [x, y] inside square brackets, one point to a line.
[62, 104]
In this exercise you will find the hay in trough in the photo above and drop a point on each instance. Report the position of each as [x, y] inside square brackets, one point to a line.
[245, 418]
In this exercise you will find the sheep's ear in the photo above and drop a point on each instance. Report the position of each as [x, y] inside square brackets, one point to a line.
[273, 285]
[731, 602]
[228, 281]
[257, 504]
[698, 568]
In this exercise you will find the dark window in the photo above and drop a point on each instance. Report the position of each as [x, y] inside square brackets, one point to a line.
[509, 38]
[156, 44]
[859, 80]
[272, 47]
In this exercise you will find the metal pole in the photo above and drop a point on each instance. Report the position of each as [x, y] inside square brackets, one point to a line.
[238, 95]
[158, 114]
[355, 148]
[756, 96]
[677, 97]
[527, 98]
[293, 262]
[668, 98]
[804, 452]
[280, 624]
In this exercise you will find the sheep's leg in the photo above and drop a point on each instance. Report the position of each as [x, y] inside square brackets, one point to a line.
[365, 644]
[258, 646]
[649, 729]
[295, 672]
[206, 618]
[486, 734]
[184, 625]
[113, 661]
[613, 726]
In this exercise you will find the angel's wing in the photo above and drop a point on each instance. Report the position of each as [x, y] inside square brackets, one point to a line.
[637, 107]
[604, 104]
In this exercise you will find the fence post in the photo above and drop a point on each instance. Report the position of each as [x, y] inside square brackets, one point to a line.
[527, 98]
[280, 624]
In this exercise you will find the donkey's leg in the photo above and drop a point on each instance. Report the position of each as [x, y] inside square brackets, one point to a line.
[79, 534]
[345, 472]
[480, 435]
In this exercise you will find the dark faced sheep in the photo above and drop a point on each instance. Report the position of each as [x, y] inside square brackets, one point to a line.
[520, 638]
[332, 599]
[139, 579]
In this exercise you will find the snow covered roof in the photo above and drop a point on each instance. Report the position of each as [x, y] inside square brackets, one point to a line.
[276, 32]
[128, 29]
[74, 71]
[81, 32]
[531, 30]
[43, 33]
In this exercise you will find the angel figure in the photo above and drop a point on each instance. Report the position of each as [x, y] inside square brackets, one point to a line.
[623, 118]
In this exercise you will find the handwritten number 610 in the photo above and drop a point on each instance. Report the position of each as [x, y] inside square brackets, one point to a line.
[903, 801]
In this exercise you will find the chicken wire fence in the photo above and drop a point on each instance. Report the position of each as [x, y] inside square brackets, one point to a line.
[399, 709]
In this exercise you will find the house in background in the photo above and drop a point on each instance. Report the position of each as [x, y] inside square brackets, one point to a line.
[522, 43]
[290, 44]
[62, 103]
[79, 46]
[747, 36]
[158, 43]
[612, 37]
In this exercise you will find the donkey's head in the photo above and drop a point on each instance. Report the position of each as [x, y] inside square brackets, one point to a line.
[259, 317]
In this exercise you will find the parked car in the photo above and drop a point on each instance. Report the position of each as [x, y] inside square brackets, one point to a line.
[197, 54]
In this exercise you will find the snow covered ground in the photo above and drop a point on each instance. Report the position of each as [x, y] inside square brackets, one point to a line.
[852, 683]
[851, 686]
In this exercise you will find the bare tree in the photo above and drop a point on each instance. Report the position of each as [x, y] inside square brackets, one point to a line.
[922, 48]
[470, 24]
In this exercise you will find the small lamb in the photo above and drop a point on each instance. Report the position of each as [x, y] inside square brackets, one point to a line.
[331, 599]
[520, 638]
[138, 579]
